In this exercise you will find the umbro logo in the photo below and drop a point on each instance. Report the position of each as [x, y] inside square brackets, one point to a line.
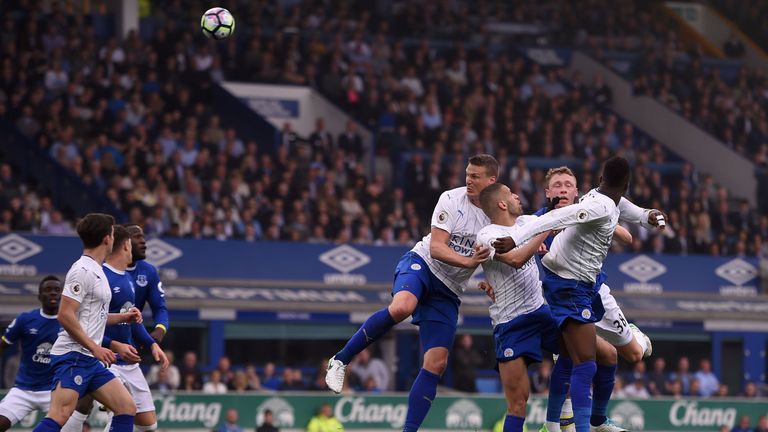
[737, 271]
[160, 253]
[15, 248]
[344, 258]
[33, 331]
[643, 268]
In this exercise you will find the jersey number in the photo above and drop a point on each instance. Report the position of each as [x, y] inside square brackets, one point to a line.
[620, 323]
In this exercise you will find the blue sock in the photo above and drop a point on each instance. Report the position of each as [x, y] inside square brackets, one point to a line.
[420, 399]
[603, 382]
[581, 383]
[513, 423]
[121, 423]
[47, 425]
[373, 328]
[559, 381]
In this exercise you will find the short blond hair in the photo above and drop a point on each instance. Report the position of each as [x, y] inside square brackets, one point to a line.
[555, 171]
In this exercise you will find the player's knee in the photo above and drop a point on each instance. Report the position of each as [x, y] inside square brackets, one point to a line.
[606, 355]
[139, 428]
[435, 364]
[85, 405]
[634, 356]
[516, 404]
[402, 307]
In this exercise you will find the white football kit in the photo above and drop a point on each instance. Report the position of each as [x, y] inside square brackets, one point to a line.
[455, 214]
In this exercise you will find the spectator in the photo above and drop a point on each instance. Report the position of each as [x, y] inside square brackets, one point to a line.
[708, 381]
[252, 378]
[657, 379]
[270, 380]
[683, 375]
[190, 382]
[190, 367]
[676, 389]
[214, 384]
[465, 360]
[619, 391]
[162, 382]
[230, 425]
[291, 380]
[722, 391]
[173, 373]
[366, 367]
[637, 390]
[743, 426]
[695, 389]
[267, 425]
[319, 383]
[733, 47]
[762, 424]
[224, 367]
[239, 382]
[750, 390]
[324, 421]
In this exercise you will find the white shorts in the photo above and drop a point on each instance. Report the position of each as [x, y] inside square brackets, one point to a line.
[18, 403]
[137, 386]
[613, 327]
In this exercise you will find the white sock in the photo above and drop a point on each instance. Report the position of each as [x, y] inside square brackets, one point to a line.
[110, 414]
[642, 342]
[553, 426]
[567, 408]
[75, 422]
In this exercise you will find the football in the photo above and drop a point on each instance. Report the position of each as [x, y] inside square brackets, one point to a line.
[217, 23]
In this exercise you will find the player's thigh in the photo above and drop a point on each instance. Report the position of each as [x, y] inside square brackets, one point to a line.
[613, 327]
[115, 397]
[137, 386]
[605, 354]
[514, 380]
[580, 340]
[17, 404]
[85, 404]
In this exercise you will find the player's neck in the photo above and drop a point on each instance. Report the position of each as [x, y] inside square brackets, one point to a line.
[50, 311]
[475, 201]
[116, 264]
[613, 193]
[98, 254]
[504, 219]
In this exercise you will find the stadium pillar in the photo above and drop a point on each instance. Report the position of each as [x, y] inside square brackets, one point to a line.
[754, 357]
[127, 17]
[216, 342]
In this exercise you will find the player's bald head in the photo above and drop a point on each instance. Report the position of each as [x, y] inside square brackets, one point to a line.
[616, 172]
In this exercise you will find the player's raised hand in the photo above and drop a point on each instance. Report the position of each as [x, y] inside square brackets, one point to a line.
[658, 219]
[104, 355]
[503, 244]
[134, 316]
[488, 290]
[127, 352]
[159, 356]
[480, 255]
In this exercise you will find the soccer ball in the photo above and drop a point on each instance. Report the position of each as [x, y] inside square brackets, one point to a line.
[217, 23]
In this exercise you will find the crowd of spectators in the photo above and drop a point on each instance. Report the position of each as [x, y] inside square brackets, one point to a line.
[133, 119]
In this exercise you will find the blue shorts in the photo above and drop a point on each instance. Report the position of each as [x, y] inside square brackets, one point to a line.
[569, 298]
[437, 312]
[79, 372]
[526, 335]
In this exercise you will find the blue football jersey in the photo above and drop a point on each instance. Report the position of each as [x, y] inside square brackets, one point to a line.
[37, 332]
[123, 298]
[149, 288]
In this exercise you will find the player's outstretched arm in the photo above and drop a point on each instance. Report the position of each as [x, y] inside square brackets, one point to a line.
[440, 250]
[67, 317]
[132, 316]
[622, 235]
[156, 300]
[647, 218]
[518, 257]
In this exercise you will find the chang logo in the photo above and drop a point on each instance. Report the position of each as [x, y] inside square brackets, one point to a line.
[42, 353]
[464, 414]
[629, 415]
[282, 412]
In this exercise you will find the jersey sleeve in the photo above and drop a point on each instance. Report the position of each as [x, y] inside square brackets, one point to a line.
[156, 299]
[485, 237]
[629, 212]
[583, 212]
[14, 330]
[141, 335]
[75, 283]
[444, 216]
